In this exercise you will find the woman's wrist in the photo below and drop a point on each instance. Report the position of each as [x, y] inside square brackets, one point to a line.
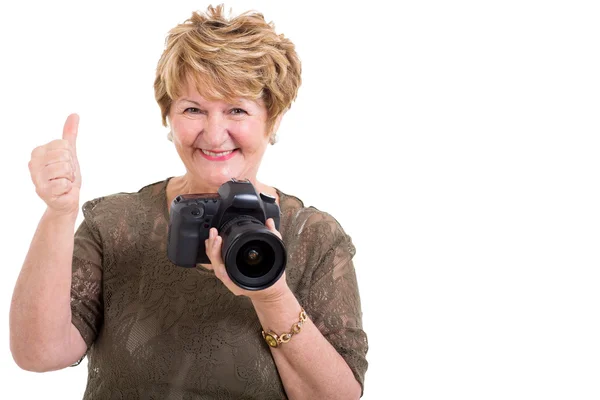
[61, 217]
[274, 299]
[280, 291]
[278, 313]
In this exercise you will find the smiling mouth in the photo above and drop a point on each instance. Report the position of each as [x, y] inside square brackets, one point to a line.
[217, 154]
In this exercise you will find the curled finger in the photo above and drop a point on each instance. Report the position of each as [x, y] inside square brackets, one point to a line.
[214, 246]
[270, 224]
[38, 153]
[57, 155]
[57, 171]
[57, 144]
[216, 257]
[58, 187]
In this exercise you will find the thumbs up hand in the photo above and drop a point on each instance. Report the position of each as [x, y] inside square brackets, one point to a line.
[55, 171]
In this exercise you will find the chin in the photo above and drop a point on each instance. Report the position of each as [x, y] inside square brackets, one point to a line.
[216, 179]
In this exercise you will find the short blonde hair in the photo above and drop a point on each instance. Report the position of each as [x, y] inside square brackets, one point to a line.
[228, 59]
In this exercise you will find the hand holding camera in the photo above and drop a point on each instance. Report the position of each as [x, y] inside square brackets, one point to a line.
[269, 294]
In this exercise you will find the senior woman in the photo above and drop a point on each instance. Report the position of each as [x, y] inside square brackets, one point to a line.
[151, 329]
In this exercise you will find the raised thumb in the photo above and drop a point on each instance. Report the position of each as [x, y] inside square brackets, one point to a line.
[70, 129]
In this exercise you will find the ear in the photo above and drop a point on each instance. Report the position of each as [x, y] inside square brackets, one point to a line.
[170, 134]
[273, 135]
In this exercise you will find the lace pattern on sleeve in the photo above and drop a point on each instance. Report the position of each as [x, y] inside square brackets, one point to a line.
[333, 300]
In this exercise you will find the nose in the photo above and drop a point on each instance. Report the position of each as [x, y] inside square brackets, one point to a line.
[215, 131]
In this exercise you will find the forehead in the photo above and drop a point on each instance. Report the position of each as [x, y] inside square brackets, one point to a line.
[199, 91]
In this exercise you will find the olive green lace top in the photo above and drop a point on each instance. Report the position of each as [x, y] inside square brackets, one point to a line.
[158, 331]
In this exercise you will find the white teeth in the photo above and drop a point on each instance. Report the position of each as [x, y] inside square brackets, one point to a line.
[210, 153]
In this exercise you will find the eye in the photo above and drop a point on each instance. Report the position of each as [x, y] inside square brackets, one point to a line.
[238, 111]
[192, 110]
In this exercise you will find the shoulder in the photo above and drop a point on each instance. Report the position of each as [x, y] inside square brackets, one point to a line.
[121, 203]
[311, 226]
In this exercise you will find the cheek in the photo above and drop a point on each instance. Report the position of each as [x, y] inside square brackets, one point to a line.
[251, 137]
[184, 132]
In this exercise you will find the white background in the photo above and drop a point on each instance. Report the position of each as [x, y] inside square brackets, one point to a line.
[456, 142]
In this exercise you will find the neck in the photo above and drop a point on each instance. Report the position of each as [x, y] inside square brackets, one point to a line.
[187, 185]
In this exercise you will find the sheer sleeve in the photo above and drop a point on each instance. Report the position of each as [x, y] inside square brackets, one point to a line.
[86, 280]
[333, 301]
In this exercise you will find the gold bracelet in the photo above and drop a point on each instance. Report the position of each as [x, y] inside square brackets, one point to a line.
[275, 340]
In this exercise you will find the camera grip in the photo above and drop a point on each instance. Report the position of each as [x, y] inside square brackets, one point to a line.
[185, 236]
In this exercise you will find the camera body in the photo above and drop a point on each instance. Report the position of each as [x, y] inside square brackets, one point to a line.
[254, 257]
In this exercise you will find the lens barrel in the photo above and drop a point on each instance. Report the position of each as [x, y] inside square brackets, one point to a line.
[254, 257]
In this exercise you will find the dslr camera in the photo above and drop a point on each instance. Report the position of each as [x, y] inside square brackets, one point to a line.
[254, 257]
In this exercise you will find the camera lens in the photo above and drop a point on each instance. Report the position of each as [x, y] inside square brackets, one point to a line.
[254, 257]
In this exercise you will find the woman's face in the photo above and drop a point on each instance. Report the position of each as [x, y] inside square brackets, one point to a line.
[217, 140]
